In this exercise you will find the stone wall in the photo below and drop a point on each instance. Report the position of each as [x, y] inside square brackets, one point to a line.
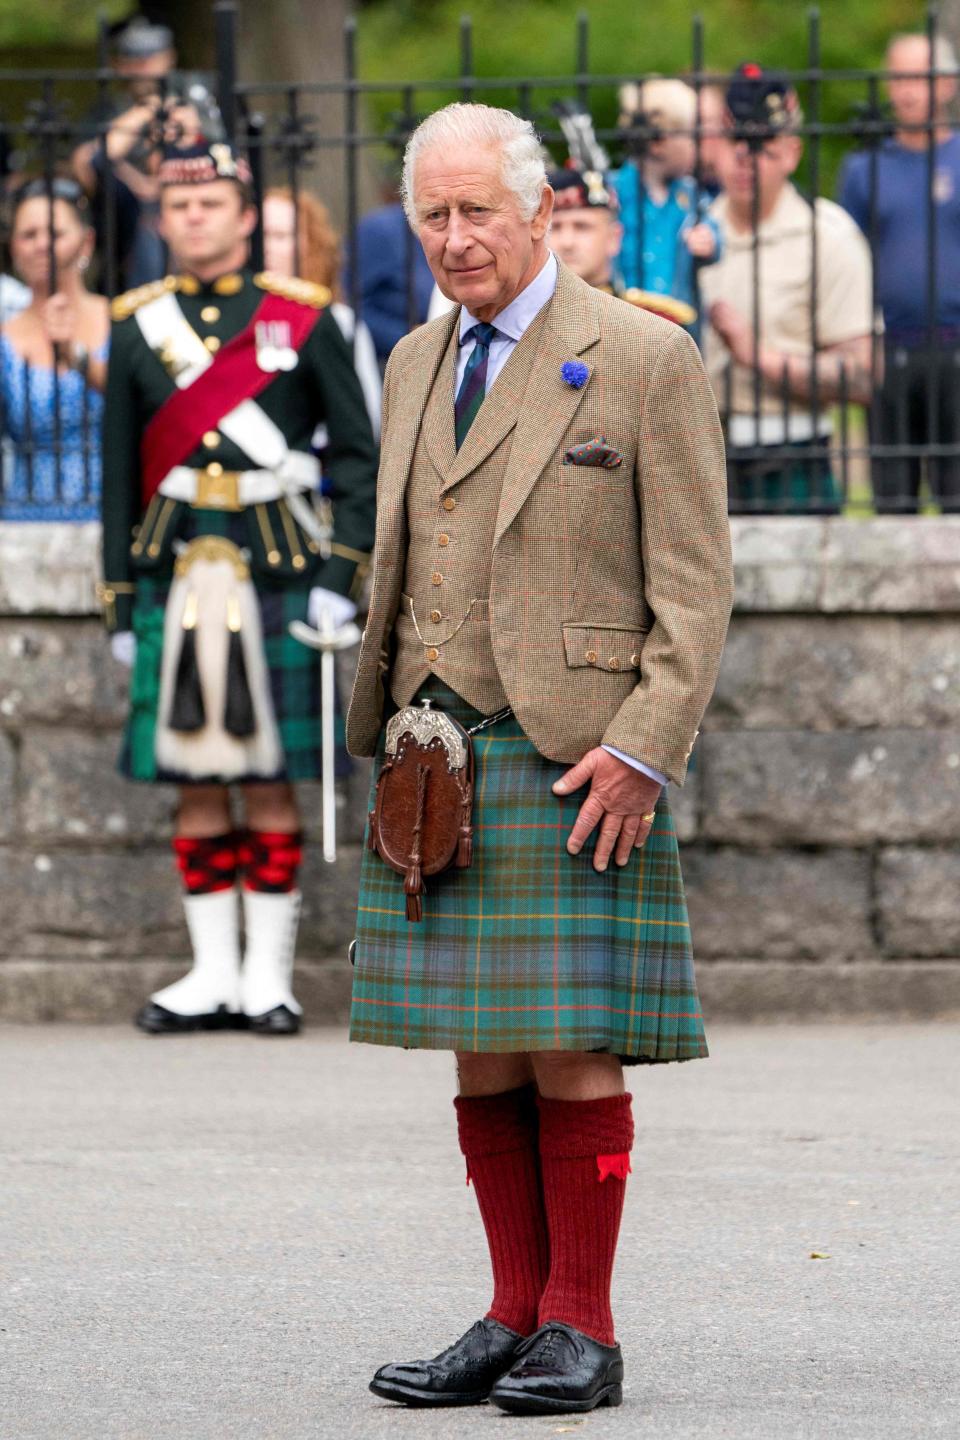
[820, 825]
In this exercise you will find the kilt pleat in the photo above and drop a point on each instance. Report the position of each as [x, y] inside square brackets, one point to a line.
[529, 948]
[293, 669]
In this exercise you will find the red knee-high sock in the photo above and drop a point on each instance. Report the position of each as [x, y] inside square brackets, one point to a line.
[584, 1157]
[498, 1136]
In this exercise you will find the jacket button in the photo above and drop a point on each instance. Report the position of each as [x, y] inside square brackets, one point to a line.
[209, 314]
[214, 469]
[212, 343]
[443, 539]
[211, 439]
[436, 578]
[433, 654]
[635, 658]
[591, 657]
[614, 662]
[449, 503]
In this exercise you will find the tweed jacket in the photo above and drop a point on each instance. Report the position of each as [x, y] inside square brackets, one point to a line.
[610, 588]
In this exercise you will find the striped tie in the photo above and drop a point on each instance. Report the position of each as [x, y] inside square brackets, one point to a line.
[473, 386]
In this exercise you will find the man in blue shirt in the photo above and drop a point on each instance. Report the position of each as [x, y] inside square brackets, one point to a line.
[389, 257]
[888, 194]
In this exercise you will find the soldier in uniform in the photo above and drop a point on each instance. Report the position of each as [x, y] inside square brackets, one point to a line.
[586, 234]
[213, 544]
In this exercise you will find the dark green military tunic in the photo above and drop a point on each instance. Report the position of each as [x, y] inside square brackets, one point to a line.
[286, 563]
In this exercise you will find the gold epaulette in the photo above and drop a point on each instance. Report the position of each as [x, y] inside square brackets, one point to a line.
[305, 292]
[663, 305]
[125, 305]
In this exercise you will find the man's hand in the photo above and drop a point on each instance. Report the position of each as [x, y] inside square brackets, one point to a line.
[735, 332]
[621, 801]
[701, 242]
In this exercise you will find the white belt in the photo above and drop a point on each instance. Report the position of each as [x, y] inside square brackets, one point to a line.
[244, 487]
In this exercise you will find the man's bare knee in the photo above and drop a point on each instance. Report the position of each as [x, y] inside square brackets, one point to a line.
[577, 1075]
[492, 1074]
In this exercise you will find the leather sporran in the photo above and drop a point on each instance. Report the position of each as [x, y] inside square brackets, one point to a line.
[421, 823]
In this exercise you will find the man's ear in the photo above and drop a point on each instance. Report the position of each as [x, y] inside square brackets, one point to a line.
[248, 220]
[794, 153]
[541, 220]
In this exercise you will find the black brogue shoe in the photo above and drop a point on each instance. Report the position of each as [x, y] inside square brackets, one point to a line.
[460, 1375]
[559, 1371]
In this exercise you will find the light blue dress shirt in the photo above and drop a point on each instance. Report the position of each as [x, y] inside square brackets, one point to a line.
[510, 325]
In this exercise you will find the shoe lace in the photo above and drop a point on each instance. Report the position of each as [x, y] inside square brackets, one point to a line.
[542, 1347]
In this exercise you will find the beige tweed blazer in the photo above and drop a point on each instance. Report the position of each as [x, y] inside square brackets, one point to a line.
[610, 589]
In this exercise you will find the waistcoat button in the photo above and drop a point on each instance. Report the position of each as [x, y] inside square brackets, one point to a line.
[433, 654]
[436, 578]
[443, 539]
[435, 616]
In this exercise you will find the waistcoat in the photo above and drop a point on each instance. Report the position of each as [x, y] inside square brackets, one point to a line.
[443, 627]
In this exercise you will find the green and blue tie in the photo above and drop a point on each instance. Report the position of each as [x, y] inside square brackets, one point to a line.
[473, 386]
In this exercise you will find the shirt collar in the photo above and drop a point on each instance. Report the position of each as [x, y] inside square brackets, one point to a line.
[523, 307]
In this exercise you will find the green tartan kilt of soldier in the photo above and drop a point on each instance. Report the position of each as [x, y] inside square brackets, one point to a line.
[293, 668]
[529, 948]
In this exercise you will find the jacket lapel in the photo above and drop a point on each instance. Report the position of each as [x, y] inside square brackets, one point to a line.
[439, 433]
[571, 328]
[407, 415]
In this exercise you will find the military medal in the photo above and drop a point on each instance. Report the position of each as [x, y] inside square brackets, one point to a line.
[274, 350]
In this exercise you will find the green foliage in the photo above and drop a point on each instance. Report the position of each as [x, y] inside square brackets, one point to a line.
[60, 23]
[420, 40]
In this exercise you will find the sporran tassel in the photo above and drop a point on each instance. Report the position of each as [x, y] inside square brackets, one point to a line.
[465, 847]
[187, 712]
[238, 716]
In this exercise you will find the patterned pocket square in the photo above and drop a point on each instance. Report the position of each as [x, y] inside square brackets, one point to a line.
[594, 452]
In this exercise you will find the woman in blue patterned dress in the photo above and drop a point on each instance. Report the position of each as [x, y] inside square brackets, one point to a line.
[53, 363]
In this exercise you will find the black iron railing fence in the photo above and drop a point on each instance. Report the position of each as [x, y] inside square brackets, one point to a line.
[870, 421]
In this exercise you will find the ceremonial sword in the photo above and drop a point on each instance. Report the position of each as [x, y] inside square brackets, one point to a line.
[328, 639]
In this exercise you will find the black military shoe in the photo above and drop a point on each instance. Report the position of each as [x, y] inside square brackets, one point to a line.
[559, 1371]
[157, 1021]
[278, 1021]
[461, 1375]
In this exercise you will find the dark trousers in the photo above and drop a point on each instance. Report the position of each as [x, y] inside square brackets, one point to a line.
[919, 404]
[782, 480]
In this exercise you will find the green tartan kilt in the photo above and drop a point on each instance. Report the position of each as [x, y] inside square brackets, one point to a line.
[293, 668]
[529, 948]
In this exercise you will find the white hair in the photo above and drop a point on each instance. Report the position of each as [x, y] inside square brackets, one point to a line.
[463, 128]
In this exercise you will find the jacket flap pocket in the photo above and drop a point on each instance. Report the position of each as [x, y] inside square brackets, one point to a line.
[604, 647]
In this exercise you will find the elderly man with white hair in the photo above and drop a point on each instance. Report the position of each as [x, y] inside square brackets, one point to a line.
[552, 586]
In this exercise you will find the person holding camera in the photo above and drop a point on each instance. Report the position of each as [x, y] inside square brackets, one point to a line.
[118, 168]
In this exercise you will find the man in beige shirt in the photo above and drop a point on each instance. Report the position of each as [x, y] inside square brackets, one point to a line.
[790, 307]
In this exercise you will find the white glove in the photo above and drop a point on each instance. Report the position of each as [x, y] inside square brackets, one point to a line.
[123, 647]
[338, 607]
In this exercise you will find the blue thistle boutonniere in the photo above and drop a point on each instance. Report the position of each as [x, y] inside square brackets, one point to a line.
[575, 373]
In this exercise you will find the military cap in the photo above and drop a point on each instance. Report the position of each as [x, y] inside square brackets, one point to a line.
[762, 103]
[199, 164]
[582, 189]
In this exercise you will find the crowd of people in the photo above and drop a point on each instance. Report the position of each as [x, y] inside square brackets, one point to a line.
[803, 306]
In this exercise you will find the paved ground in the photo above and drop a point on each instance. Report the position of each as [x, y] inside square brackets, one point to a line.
[220, 1238]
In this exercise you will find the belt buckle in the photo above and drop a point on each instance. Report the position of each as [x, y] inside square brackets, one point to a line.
[218, 489]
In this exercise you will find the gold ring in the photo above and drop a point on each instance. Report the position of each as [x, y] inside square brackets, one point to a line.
[649, 819]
